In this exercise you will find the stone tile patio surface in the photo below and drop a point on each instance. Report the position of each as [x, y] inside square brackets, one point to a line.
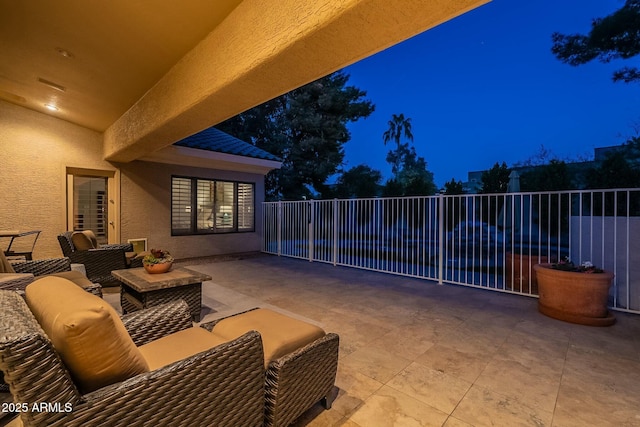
[415, 353]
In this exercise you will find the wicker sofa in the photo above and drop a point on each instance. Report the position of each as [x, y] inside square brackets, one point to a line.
[222, 385]
[28, 271]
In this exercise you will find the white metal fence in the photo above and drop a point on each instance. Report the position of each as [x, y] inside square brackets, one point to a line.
[489, 241]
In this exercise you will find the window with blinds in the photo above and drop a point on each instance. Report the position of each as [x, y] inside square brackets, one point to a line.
[180, 205]
[245, 206]
[201, 206]
[224, 206]
[205, 198]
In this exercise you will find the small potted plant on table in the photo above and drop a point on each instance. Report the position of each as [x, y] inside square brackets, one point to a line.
[157, 261]
[574, 293]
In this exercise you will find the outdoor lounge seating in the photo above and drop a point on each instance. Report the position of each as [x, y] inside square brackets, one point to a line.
[16, 275]
[300, 359]
[150, 368]
[153, 367]
[99, 260]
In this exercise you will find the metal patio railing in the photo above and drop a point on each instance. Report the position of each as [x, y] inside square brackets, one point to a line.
[489, 241]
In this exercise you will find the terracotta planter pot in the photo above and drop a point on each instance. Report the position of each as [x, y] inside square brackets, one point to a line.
[158, 268]
[518, 268]
[574, 297]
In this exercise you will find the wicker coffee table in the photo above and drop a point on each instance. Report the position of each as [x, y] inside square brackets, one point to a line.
[141, 289]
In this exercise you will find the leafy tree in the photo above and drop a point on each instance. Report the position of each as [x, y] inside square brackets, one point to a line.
[307, 129]
[410, 174]
[411, 177]
[615, 171]
[546, 209]
[496, 179]
[359, 181]
[260, 126]
[631, 149]
[455, 207]
[549, 177]
[398, 126]
[453, 187]
[616, 36]
[417, 180]
[392, 188]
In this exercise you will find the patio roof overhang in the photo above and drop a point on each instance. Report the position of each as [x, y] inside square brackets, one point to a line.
[193, 157]
[148, 74]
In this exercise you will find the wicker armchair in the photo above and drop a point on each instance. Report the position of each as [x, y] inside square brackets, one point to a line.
[99, 263]
[223, 386]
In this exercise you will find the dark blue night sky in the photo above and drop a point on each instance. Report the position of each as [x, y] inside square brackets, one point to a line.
[485, 87]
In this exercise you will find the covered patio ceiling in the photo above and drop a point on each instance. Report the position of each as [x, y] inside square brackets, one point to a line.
[149, 73]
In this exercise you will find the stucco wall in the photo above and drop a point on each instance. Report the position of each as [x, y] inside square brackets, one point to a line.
[146, 210]
[35, 150]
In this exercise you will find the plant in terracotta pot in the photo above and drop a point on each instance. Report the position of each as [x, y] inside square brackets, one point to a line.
[574, 293]
[157, 261]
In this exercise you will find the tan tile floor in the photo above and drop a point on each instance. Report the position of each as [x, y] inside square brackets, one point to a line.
[413, 353]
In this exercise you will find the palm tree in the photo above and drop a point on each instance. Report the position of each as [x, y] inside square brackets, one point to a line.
[398, 125]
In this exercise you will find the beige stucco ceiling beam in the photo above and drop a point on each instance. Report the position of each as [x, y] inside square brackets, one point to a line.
[264, 49]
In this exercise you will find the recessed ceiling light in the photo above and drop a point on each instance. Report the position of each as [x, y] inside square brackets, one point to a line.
[64, 52]
[51, 107]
